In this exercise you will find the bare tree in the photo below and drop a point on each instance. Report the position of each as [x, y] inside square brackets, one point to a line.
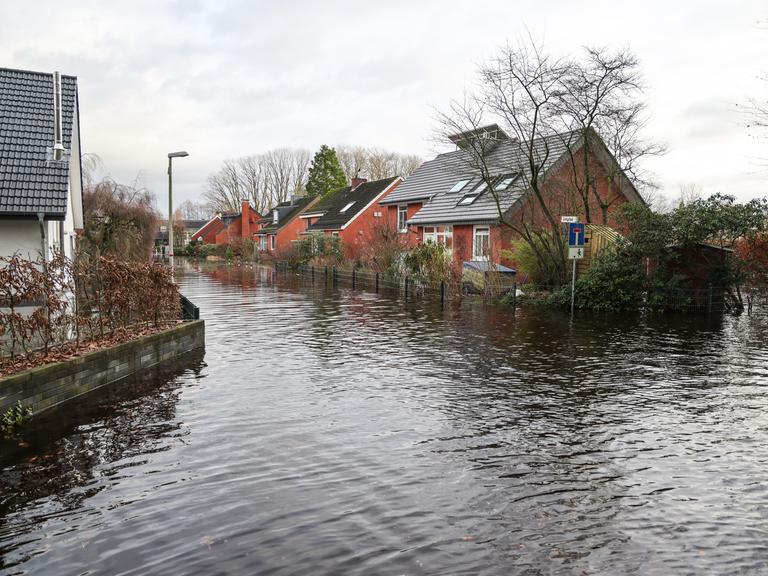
[190, 210]
[690, 192]
[551, 106]
[262, 179]
[375, 163]
[353, 160]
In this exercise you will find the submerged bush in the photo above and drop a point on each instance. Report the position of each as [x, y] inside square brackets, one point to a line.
[614, 283]
[428, 262]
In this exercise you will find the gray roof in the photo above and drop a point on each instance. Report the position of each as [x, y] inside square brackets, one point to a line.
[435, 178]
[29, 181]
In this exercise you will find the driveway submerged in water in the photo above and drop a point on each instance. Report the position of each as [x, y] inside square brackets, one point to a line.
[341, 432]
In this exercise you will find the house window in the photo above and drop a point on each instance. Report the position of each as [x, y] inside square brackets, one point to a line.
[347, 207]
[481, 243]
[439, 235]
[334, 233]
[307, 223]
[262, 243]
[402, 218]
[459, 186]
[470, 197]
[272, 241]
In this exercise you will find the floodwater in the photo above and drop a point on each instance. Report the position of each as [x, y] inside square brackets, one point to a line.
[342, 432]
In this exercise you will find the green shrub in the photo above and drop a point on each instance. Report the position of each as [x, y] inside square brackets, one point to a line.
[428, 262]
[320, 248]
[14, 417]
[614, 283]
[538, 261]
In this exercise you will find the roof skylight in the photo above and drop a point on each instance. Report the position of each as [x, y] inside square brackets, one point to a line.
[347, 207]
[506, 181]
[459, 186]
[470, 197]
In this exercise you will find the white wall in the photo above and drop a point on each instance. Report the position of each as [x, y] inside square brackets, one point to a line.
[21, 236]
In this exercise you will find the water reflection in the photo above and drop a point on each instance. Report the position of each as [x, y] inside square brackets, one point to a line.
[341, 432]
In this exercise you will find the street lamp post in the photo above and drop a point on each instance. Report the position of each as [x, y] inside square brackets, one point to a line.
[171, 156]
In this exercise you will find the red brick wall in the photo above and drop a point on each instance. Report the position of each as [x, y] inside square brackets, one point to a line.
[413, 236]
[289, 233]
[208, 232]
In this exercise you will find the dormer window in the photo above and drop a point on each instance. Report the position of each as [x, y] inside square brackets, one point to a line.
[275, 216]
[470, 197]
[459, 186]
[347, 207]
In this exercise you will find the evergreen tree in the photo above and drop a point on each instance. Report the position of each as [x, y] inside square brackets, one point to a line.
[325, 173]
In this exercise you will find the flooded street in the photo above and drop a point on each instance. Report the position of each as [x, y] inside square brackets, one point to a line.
[344, 432]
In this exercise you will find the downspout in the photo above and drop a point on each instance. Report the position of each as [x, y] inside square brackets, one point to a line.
[41, 220]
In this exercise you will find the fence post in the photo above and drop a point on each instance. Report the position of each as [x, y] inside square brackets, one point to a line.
[514, 294]
[354, 278]
[377, 282]
[709, 299]
[442, 293]
[406, 287]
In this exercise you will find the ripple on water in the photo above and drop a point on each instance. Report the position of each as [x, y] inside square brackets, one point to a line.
[340, 432]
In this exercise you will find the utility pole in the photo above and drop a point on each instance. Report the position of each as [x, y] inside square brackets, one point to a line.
[171, 156]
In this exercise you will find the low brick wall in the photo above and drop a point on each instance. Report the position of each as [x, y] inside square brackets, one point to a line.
[44, 387]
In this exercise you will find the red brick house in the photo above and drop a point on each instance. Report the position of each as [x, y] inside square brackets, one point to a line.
[282, 226]
[207, 233]
[446, 201]
[353, 213]
[229, 228]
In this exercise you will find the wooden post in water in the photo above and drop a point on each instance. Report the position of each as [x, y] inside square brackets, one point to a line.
[354, 278]
[709, 299]
[335, 277]
[442, 293]
[377, 282]
[325, 275]
[406, 287]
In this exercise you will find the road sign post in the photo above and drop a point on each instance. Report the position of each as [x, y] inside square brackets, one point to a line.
[575, 249]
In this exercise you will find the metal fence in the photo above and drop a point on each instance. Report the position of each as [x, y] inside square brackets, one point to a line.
[493, 287]
[408, 287]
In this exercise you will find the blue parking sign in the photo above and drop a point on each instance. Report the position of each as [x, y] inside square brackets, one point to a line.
[576, 234]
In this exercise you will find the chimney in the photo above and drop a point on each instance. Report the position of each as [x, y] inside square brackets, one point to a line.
[58, 144]
[245, 215]
[356, 181]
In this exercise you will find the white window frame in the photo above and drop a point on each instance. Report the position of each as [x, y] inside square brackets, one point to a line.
[272, 241]
[263, 243]
[347, 207]
[483, 231]
[431, 234]
[459, 186]
[402, 209]
[474, 194]
[275, 216]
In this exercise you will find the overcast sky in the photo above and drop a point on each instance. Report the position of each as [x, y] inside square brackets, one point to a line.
[223, 79]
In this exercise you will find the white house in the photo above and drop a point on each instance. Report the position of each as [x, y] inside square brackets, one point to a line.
[41, 192]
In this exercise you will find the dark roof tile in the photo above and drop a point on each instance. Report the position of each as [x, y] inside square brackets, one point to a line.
[28, 182]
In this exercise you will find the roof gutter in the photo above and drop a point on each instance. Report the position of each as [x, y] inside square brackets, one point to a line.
[43, 243]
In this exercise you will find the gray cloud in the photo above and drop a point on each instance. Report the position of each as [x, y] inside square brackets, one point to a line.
[235, 77]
